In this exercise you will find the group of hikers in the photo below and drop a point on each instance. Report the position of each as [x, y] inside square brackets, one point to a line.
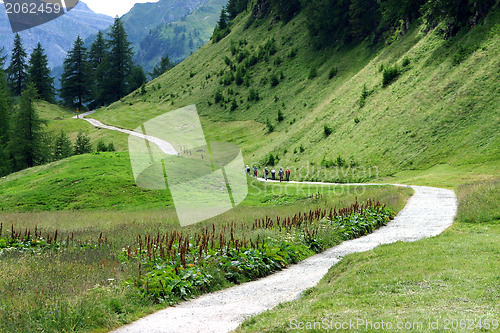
[281, 173]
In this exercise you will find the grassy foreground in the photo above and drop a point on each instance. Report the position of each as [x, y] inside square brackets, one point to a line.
[68, 288]
[451, 279]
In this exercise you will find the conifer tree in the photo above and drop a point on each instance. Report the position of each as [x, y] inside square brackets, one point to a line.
[161, 67]
[137, 78]
[76, 79]
[62, 146]
[99, 63]
[26, 141]
[39, 74]
[16, 72]
[223, 20]
[82, 144]
[120, 63]
[4, 123]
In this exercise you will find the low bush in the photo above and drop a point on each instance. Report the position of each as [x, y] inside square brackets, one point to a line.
[390, 74]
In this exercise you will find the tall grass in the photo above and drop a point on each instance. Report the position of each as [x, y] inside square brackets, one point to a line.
[479, 201]
[57, 289]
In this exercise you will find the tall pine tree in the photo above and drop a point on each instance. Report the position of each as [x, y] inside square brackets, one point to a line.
[39, 74]
[16, 72]
[99, 63]
[120, 64]
[4, 123]
[76, 80]
[27, 141]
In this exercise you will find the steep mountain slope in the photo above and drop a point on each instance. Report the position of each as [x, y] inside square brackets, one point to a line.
[179, 38]
[56, 36]
[340, 122]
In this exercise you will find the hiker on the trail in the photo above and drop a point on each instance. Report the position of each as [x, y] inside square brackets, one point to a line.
[281, 173]
[287, 173]
[248, 170]
[255, 171]
[266, 173]
[273, 174]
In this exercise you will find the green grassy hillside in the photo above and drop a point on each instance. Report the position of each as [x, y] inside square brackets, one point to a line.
[442, 109]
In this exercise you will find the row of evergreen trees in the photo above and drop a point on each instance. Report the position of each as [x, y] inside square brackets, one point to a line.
[334, 21]
[95, 77]
[24, 142]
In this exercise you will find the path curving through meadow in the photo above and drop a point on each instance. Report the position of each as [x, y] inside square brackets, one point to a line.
[427, 213]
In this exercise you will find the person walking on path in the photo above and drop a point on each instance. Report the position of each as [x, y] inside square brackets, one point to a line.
[248, 170]
[287, 174]
[255, 171]
[273, 174]
[281, 173]
[266, 173]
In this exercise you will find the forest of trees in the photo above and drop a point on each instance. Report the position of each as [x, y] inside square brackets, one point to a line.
[91, 78]
[344, 21]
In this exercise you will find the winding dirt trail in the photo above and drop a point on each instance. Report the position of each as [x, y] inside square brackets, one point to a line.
[428, 213]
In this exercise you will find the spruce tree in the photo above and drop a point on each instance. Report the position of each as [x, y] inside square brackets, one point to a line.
[160, 68]
[76, 80]
[16, 72]
[137, 78]
[223, 20]
[39, 74]
[82, 144]
[120, 63]
[99, 63]
[26, 141]
[4, 124]
[62, 146]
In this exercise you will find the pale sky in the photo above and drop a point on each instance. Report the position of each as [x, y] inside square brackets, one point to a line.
[113, 7]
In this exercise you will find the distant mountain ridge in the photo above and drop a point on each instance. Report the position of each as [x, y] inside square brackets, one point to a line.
[56, 36]
[173, 27]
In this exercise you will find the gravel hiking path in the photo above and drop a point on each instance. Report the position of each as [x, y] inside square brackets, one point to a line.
[164, 146]
[427, 213]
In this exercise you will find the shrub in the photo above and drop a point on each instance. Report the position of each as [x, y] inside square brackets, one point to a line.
[270, 127]
[101, 146]
[82, 144]
[332, 72]
[327, 130]
[218, 97]
[280, 116]
[462, 54]
[406, 62]
[240, 75]
[364, 95]
[293, 52]
[270, 160]
[234, 105]
[313, 72]
[253, 95]
[274, 81]
[389, 75]
[340, 162]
